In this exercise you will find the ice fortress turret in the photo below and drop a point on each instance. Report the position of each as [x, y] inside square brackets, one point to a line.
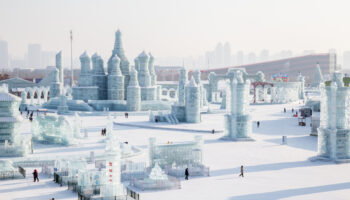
[334, 130]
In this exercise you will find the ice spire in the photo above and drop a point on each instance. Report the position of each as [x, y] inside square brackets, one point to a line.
[115, 66]
[317, 78]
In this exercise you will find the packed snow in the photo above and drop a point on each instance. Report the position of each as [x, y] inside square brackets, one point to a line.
[272, 170]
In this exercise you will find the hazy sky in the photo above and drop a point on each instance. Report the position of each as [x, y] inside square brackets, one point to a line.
[175, 28]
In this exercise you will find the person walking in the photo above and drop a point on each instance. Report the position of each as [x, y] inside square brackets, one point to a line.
[35, 175]
[242, 172]
[258, 124]
[284, 110]
[186, 174]
[292, 110]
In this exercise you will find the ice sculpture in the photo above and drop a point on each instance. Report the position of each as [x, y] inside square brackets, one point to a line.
[237, 120]
[53, 129]
[8, 171]
[334, 131]
[317, 78]
[113, 186]
[134, 92]
[157, 173]
[187, 109]
[99, 90]
[77, 126]
[157, 180]
[12, 143]
[183, 154]
[193, 102]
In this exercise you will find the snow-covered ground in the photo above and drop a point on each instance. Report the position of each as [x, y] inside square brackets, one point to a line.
[272, 170]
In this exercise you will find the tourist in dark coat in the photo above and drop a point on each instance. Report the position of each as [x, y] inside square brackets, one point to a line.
[36, 175]
[186, 174]
[242, 172]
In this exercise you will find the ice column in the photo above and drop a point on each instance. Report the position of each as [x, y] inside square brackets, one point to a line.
[192, 107]
[133, 92]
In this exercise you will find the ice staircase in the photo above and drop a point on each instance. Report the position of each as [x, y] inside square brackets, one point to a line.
[171, 119]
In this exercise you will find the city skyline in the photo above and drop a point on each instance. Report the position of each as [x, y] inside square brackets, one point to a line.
[174, 28]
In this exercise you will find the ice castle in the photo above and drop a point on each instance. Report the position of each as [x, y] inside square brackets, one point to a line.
[334, 130]
[122, 87]
[12, 143]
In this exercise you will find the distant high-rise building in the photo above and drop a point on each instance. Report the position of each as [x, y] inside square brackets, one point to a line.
[47, 58]
[34, 55]
[227, 54]
[251, 58]
[346, 60]
[264, 55]
[4, 60]
[240, 58]
[219, 55]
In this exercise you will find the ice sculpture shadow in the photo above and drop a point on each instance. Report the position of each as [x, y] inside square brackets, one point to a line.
[281, 194]
[267, 167]
[303, 142]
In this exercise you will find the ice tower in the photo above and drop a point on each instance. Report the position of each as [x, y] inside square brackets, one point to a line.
[85, 90]
[192, 106]
[55, 87]
[115, 80]
[124, 63]
[133, 92]
[237, 120]
[99, 77]
[334, 130]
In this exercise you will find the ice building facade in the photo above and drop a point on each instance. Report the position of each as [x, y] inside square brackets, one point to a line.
[334, 130]
[12, 143]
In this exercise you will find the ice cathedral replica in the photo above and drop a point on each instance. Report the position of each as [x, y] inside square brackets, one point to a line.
[334, 130]
[119, 88]
[122, 87]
